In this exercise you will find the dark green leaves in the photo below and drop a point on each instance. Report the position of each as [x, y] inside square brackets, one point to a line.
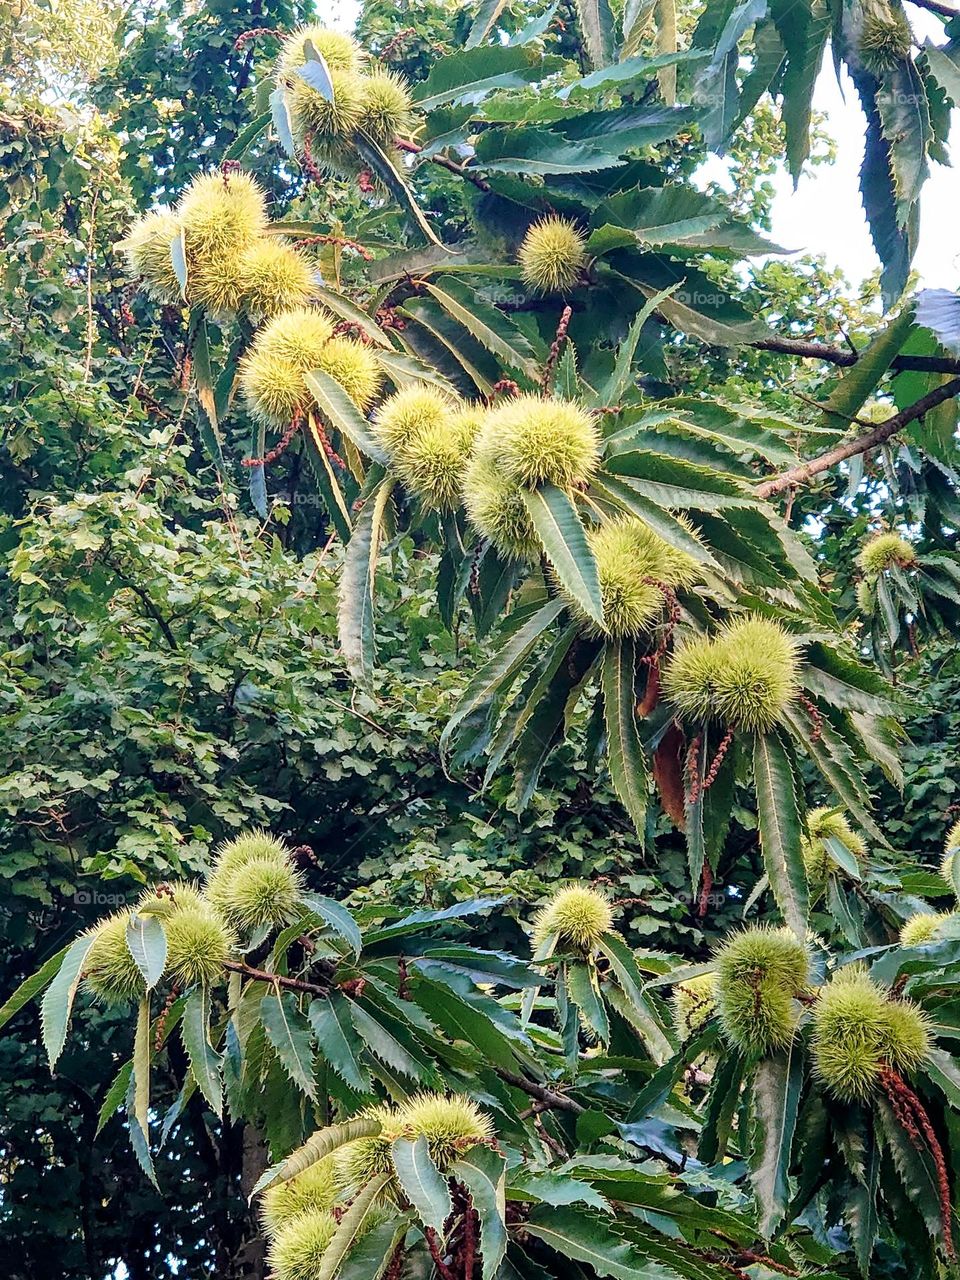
[780, 830]
[482, 1171]
[775, 1095]
[355, 614]
[463, 75]
[290, 1036]
[338, 1041]
[564, 540]
[422, 1182]
[628, 767]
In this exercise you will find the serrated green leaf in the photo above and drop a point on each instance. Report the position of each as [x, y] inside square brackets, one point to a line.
[490, 327]
[482, 1171]
[205, 1062]
[349, 1227]
[337, 919]
[323, 1143]
[289, 1035]
[588, 1237]
[31, 987]
[114, 1096]
[355, 606]
[775, 1099]
[564, 539]
[338, 1041]
[57, 1003]
[391, 177]
[852, 390]
[147, 943]
[628, 766]
[780, 831]
[339, 411]
[422, 1183]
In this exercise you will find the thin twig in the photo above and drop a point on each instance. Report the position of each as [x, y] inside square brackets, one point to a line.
[556, 1101]
[805, 472]
[276, 979]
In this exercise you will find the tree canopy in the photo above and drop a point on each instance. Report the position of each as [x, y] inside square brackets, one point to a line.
[479, 677]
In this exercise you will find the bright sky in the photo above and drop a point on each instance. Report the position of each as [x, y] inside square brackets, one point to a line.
[824, 215]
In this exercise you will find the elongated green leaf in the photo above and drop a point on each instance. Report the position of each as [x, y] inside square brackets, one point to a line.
[622, 377]
[390, 176]
[337, 918]
[564, 539]
[350, 1226]
[482, 1171]
[584, 990]
[943, 1070]
[597, 28]
[803, 28]
[776, 1100]
[637, 1007]
[323, 1143]
[115, 1095]
[780, 831]
[915, 1168]
[385, 1040]
[722, 1105]
[488, 325]
[862, 1215]
[465, 1021]
[248, 136]
[589, 1237]
[290, 1036]
[139, 1137]
[58, 998]
[422, 1183]
[534, 151]
[415, 921]
[374, 1251]
[484, 22]
[478, 70]
[148, 946]
[205, 1062]
[355, 612]
[628, 766]
[205, 384]
[328, 483]
[536, 686]
[506, 661]
[339, 411]
[31, 987]
[858, 383]
[338, 1041]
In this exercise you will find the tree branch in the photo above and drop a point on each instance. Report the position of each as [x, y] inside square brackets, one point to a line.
[556, 1101]
[276, 979]
[845, 358]
[461, 170]
[858, 444]
[934, 6]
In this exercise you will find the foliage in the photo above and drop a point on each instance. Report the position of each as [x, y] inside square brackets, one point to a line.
[176, 667]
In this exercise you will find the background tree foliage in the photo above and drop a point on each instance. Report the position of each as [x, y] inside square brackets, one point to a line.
[171, 670]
